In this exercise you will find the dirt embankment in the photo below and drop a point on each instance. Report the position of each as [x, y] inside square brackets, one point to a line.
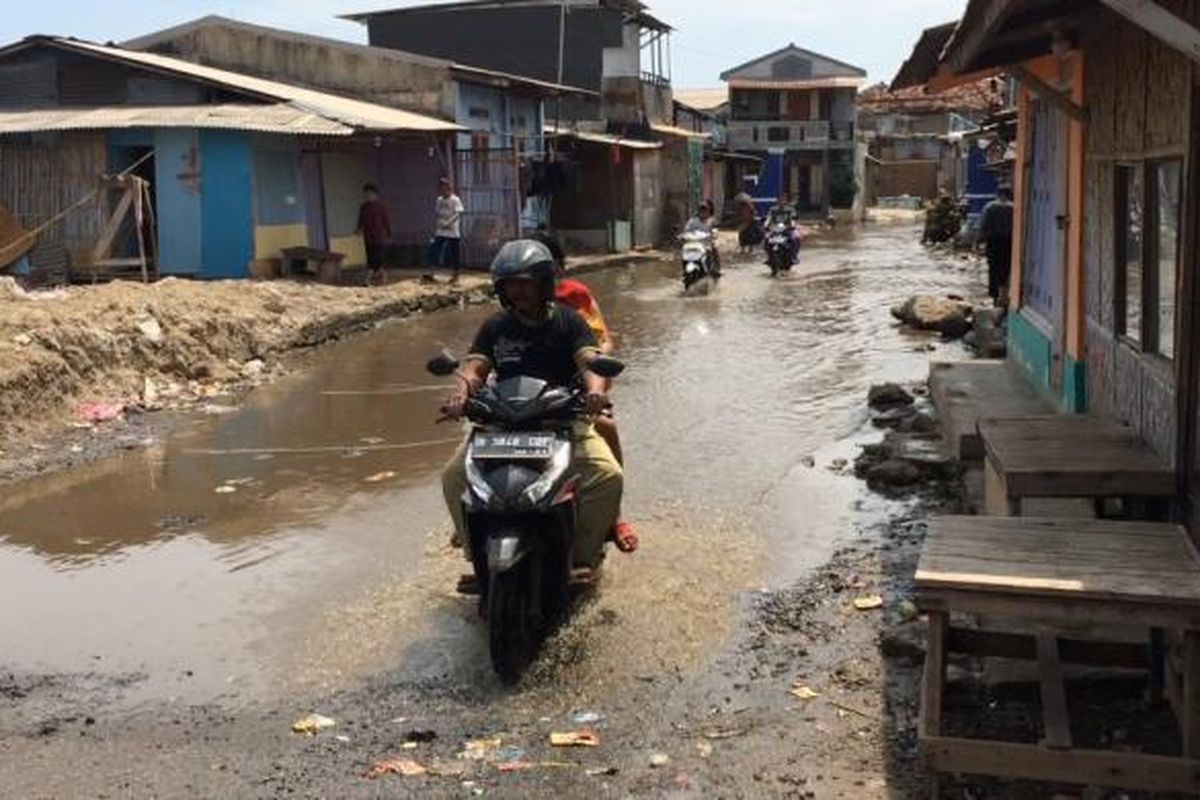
[76, 357]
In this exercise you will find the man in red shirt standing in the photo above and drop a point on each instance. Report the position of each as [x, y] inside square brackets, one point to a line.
[376, 231]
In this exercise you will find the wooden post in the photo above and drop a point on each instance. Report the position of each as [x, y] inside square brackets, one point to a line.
[1190, 720]
[933, 683]
[138, 190]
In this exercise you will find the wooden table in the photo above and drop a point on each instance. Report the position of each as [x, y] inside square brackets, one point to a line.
[1060, 573]
[1068, 456]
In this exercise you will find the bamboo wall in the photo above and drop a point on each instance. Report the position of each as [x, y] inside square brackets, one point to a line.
[1139, 100]
[42, 176]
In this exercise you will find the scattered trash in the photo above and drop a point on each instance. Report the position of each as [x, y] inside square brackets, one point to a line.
[341, 737]
[587, 718]
[804, 693]
[705, 749]
[597, 772]
[253, 368]
[658, 760]
[96, 413]
[396, 766]
[869, 603]
[448, 770]
[149, 394]
[312, 724]
[842, 707]
[372, 440]
[216, 410]
[409, 746]
[525, 766]
[150, 329]
[380, 477]
[908, 610]
[480, 749]
[225, 489]
[509, 753]
[23, 339]
[575, 739]
[729, 733]
[76, 448]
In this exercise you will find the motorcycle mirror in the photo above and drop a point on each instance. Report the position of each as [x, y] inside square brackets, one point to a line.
[606, 366]
[443, 366]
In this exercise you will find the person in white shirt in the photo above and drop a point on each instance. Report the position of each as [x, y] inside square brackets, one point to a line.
[449, 229]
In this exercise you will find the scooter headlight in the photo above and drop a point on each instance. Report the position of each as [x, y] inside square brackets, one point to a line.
[693, 252]
[478, 483]
[555, 469]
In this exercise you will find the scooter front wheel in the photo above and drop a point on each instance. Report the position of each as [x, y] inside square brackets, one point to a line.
[512, 635]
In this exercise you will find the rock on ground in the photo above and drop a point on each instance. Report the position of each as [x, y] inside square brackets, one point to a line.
[888, 396]
[949, 316]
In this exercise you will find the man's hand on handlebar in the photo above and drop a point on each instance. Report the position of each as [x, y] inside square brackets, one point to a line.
[595, 402]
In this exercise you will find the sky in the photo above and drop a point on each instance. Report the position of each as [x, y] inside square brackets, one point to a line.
[711, 35]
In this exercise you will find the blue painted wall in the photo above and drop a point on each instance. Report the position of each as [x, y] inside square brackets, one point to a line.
[227, 204]
[178, 195]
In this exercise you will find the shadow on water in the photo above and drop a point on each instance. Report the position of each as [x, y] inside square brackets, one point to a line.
[734, 406]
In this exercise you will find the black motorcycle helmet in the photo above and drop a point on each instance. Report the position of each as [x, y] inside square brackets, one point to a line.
[524, 258]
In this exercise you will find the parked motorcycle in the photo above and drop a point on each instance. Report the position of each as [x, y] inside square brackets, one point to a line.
[779, 244]
[520, 506]
[698, 255]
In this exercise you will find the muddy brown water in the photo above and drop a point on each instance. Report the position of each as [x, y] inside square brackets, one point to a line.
[302, 573]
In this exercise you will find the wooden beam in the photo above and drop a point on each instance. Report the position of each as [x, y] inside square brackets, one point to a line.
[1084, 767]
[1055, 718]
[1161, 24]
[985, 17]
[112, 227]
[1055, 97]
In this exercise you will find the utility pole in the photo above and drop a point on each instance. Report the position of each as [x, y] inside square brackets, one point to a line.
[562, 36]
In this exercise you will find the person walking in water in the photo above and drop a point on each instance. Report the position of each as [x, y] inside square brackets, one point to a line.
[376, 231]
[448, 235]
[996, 232]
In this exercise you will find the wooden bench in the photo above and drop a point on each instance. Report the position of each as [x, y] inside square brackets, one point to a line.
[1060, 574]
[326, 266]
[1068, 456]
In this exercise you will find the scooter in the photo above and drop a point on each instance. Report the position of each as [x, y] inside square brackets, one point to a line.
[699, 258]
[520, 507]
[778, 245]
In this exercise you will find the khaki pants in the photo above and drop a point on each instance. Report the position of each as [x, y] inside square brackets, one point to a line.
[597, 505]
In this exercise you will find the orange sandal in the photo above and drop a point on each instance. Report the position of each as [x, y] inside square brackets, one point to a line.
[625, 537]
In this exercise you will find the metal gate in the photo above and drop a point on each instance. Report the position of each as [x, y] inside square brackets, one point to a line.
[488, 182]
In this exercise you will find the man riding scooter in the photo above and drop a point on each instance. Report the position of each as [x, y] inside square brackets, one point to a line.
[536, 337]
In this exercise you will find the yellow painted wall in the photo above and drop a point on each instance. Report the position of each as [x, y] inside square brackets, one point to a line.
[270, 239]
[352, 247]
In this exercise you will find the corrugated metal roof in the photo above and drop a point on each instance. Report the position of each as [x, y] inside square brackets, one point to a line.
[671, 130]
[604, 138]
[355, 113]
[281, 118]
[703, 99]
[812, 83]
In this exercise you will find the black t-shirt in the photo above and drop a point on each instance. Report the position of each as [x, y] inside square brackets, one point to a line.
[546, 351]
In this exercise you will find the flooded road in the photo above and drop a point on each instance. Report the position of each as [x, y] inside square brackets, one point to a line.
[253, 557]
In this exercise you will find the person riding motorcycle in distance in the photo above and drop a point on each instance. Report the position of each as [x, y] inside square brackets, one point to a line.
[576, 295]
[705, 221]
[535, 336]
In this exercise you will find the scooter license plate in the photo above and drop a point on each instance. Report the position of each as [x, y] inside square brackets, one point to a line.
[513, 446]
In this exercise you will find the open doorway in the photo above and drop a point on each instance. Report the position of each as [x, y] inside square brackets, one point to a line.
[139, 160]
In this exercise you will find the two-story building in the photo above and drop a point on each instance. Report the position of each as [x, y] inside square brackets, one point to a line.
[796, 109]
[625, 134]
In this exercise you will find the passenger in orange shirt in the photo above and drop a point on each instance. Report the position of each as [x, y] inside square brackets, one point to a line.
[576, 295]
